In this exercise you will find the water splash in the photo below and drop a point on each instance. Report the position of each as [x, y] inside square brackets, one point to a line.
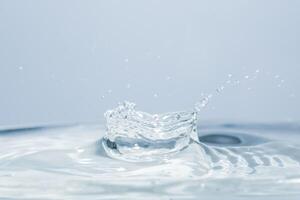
[139, 136]
[205, 99]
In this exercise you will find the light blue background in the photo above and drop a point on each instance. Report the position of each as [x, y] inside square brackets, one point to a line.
[58, 58]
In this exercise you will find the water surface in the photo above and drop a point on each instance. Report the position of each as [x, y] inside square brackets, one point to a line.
[232, 161]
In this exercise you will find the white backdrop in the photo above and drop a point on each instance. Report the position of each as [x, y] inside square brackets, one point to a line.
[69, 61]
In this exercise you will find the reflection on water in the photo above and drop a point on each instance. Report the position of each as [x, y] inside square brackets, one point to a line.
[231, 160]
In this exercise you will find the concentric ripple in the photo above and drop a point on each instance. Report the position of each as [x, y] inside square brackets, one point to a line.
[231, 162]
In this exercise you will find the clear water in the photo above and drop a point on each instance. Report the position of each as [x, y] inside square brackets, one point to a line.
[138, 136]
[231, 161]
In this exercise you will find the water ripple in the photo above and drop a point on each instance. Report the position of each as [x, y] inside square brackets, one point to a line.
[70, 163]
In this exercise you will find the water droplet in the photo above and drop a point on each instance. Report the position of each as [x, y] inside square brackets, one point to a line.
[168, 78]
[201, 104]
[220, 89]
[102, 97]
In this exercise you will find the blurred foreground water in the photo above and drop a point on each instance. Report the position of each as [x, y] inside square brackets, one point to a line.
[231, 161]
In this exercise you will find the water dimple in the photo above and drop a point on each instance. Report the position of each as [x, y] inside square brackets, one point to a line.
[220, 139]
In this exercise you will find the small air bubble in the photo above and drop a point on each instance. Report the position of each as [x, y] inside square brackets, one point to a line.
[246, 77]
[126, 60]
[229, 75]
[155, 95]
[257, 71]
[102, 97]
